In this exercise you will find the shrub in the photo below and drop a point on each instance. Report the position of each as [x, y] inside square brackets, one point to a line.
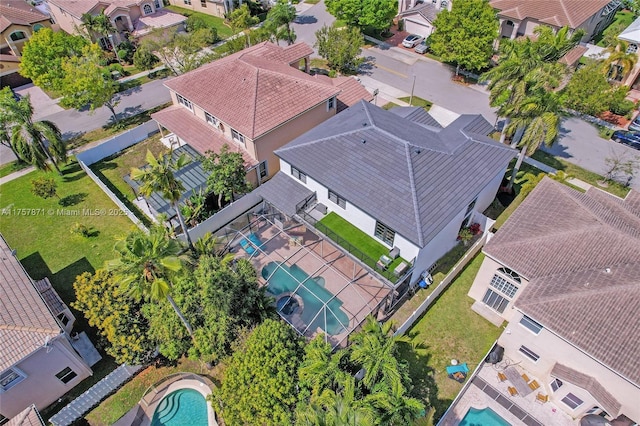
[117, 67]
[465, 235]
[80, 229]
[145, 60]
[44, 187]
[125, 51]
[195, 22]
[621, 107]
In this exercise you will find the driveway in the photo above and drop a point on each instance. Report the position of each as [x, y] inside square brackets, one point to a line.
[42, 104]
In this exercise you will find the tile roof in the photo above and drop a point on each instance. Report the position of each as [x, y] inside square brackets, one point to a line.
[580, 256]
[609, 403]
[283, 192]
[417, 115]
[252, 90]
[163, 18]
[558, 13]
[28, 417]
[197, 133]
[413, 178]
[631, 33]
[351, 92]
[428, 11]
[573, 55]
[25, 320]
[19, 12]
[77, 7]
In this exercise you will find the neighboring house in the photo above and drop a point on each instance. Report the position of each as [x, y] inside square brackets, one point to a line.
[38, 363]
[28, 417]
[404, 5]
[564, 271]
[217, 8]
[521, 17]
[418, 16]
[135, 17]
[18, 21]
[399, 176]
[631, 35]
[255, 101]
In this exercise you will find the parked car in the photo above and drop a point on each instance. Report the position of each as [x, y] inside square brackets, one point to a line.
[411, 40]
[635, 124]
[423, 47]
[631, 139]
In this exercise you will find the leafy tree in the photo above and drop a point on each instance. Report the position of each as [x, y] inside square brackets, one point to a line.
[365, 14]
[465, 34]
[259, 385]
[588, 91]
[554, 45]
[86, 84]
[227, 174]
[43, 56]
[109, 308]
[281, 15]
[632, 5]
[143, 58]
[144, 265]
[35, 142]
[240, 19]
[341, 47]
[97, 26]
[158, 176]
[180, 52]
[44, 187]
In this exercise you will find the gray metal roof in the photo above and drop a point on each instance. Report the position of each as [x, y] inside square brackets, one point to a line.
[417, 115]
[427, 10]
[192, 176]
[283, 192]
[412, 178]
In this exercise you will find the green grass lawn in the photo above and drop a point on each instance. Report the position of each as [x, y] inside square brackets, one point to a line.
[13, 166]
[312, 1]
[448, 330]
[126, 85]
[389, 105]
[419, 102]
[224, 30]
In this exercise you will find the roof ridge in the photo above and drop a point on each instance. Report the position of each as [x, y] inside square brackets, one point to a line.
[288, 147]
[414, 196]
[29, 329]
[255, 104]
[564, 9]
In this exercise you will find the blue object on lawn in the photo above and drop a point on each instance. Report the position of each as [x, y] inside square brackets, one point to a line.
[462, 368]
[248, 246]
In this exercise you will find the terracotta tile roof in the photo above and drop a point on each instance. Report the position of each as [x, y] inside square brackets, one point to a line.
[9, 58]
[77, 7]
[28, 417]
[163, 18]
[608, 402]
[197, 133]
[19, 12]
[580, 253]
[351, 92]
[288, 54]
[573, 56]
[557, 13]
[251, 92]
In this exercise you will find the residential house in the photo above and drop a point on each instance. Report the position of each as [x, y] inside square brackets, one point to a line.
[399, 176]
[38, 363]
[255, 101]
[564, 272]
[217, 8]
[134, 17]
[631, 35]
[18, 21]
[521, 17]
[418, 16]
[28, 417]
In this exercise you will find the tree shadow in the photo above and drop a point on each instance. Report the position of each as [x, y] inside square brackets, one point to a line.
[305, 19]
[367, 66]
[67, 136]
[73, 199]
[126, 113]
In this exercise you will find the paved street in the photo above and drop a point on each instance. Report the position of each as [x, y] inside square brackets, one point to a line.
[310, 20]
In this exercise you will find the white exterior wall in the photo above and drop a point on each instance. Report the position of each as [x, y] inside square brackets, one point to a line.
[417, 25]
[552, 349]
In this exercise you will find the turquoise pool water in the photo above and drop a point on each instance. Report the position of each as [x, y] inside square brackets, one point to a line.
[180, 408]
[484, 417]
[314, 296]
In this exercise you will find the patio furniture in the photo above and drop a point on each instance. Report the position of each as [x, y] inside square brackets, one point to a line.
[525, 377]
[542, 398]
[501, 376]
[401, 269]
[512, 391]
[383, 262]
[461, 368]
[394, 253]
[252, 244]
[534, 385]
[296, 240]
[517, 381]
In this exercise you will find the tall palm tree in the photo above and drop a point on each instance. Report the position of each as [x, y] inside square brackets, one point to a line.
[374, 348]
[35, 142]
[282, 14]
[339, 408]
[144, 263]
[97, 24]
[5, 122]
[321, 368]
[619, 60]
[158, 176]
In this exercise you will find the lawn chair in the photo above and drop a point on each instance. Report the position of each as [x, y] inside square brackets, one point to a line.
[501, 376]
[525, 378]
[534, 385]
[512, 391]
[542, 398]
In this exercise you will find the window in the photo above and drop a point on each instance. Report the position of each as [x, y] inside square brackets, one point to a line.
[147, 9]
[331, 104]
[10, 378]
[66, 375]
[3, 419]
[335, 198]
[556, 384]
[262, 169]
[529, 353]
[18, 35]
[157, 4]
[572, 401]
[444, 4]
[298, 175]
[511, 274]
[183, 101]
[187, 2]
[530, 324]
[211, 119]
[203, 3]
[632, 48]
[37, 27]
[471, 205]
[503, 286]
[237, 136]
[385, 233]
[63, 318]
[495, 301]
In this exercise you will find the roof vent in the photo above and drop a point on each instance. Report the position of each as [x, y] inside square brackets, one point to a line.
[364, 124]
[607, 270]
[418, 151]
[363, 141]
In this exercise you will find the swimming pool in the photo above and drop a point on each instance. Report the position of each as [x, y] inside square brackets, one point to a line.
[287, 278]
[483, 417]
[181, 407]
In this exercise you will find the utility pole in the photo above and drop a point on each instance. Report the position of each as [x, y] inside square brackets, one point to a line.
[412, 87]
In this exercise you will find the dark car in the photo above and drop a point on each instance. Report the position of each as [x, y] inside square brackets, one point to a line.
[631, 139]
[635, 124]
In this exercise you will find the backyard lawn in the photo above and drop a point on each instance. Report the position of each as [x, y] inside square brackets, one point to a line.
[448, 330]
[224, 30]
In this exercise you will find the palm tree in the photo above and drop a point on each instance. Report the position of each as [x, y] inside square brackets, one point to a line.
[374, 348]
[5, 122]
[320, 369]
[335, 408]
[393, 406]
[35, 142]
[97, 24]
[620, 62]
[159, 177]
[282, 14]
[144, 263]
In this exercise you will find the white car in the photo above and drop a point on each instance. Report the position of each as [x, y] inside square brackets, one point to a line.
[411, 40]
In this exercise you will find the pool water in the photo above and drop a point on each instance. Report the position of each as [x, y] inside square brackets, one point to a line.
[314, 296]
[180, 408]
[484, 417]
